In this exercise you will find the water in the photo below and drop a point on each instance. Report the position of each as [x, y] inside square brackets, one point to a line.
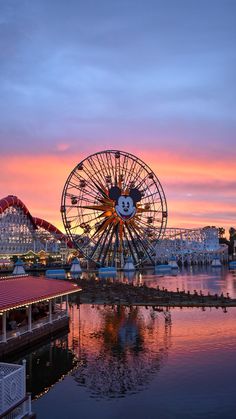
[133, 362]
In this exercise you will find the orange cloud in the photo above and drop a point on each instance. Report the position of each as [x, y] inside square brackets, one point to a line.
[193, 197]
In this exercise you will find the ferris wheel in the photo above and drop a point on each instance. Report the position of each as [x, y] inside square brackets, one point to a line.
[113, 207]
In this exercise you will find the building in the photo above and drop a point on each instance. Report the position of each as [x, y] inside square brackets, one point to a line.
[31, 309]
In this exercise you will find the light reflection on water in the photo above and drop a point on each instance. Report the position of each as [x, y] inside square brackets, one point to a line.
[137, 362]
[214, 280]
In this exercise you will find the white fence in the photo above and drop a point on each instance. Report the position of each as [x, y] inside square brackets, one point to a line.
[20, 411]
[12, 386]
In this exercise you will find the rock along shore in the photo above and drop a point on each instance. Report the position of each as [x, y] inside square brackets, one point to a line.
[110, 293]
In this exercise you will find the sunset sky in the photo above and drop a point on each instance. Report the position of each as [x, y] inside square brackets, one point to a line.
[155, 78]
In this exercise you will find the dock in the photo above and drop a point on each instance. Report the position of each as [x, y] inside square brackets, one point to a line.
[110, 293]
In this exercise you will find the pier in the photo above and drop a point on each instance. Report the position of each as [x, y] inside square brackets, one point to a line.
[127, 294]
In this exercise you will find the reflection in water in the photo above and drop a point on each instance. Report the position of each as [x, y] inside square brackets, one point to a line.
[187, 369]
[111, 351]
[199, 278]
[47, 365]
[122, 351]
[117, 351]
[205, 279]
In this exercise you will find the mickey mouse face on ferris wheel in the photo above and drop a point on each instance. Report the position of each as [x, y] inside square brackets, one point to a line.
[125, 204]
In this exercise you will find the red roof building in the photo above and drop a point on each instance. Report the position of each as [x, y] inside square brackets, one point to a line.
[32, 308]
[19, 292]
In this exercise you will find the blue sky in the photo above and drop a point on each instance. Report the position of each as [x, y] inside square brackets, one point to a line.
[116, 71]
[156, 78]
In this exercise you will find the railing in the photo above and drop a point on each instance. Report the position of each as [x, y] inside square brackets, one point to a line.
[45, 320]
[20, 411]
[12, 389]
[21, 330]
[16, 332]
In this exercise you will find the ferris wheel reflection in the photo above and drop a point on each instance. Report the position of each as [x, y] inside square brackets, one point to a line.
[123, 350]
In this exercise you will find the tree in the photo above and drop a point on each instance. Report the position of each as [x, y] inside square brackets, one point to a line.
[221, 232]
[232, 238]
[232, 233]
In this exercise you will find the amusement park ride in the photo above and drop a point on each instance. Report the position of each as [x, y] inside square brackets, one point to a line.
[114, 208]
[115, 213]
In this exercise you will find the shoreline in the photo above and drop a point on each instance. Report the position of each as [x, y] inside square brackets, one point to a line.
[130, 295]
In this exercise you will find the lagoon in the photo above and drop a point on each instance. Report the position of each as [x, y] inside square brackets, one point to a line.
[136, 362]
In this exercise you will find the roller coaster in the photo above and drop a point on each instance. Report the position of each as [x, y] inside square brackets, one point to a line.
[20, 232]
[191, 246]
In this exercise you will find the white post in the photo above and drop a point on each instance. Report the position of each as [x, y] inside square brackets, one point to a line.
[3, 391]
[67, 305]
[50, 311]
[30, 318]
[54, 305]
[24, 369]
[4, 326]
[29, 405]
